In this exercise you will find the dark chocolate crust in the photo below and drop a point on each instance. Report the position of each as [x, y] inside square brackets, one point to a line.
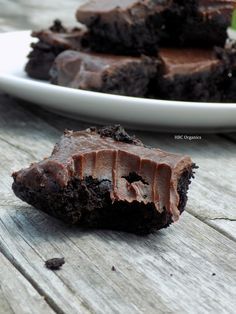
[73, 205]
[87, 202]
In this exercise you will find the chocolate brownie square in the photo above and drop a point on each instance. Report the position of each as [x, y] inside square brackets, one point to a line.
[136, 27]
[51, 43]
[121, 75]
[105, 178]
[133, 27]
[192, 74]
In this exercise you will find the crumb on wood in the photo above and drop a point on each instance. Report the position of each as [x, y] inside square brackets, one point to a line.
[113, 268]
[55, 263]
[213, 274]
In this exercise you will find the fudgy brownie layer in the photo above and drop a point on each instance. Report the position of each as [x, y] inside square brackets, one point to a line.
[108, 179]
[121, 75]
[51, 43]
[87, 203]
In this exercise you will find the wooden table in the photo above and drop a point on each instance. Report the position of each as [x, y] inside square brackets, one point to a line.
[188, 268]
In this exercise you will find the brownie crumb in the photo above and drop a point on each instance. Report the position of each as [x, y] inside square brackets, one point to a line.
[57, 27]
[213, 274]
[118, 133]
[55, 263]
[113, 268]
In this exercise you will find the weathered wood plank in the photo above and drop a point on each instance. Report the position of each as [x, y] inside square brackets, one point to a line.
[225, 226]
[17, 295]
[23, 135]
[168, 272]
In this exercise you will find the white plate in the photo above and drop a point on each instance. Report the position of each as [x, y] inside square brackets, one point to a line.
[103, 108]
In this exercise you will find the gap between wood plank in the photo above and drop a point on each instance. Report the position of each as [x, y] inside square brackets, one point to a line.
[89, 247]
[13, 280]
[34, 284]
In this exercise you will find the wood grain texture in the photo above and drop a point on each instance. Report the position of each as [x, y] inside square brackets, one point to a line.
[23, 135]
[168, 272]
[17, 295]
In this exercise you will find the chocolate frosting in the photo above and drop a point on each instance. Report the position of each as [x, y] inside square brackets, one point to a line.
[120, 10]
[88, 153]
[70, 40]
[86, 70]
[186, 61]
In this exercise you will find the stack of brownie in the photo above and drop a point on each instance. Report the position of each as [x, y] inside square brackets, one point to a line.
[164, 49]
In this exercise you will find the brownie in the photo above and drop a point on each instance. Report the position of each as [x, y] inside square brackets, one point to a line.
[51, 43]
[192, 74]
[208, 23]
[141, 26]
[55, 263]
[121, 75]
[229, 54]
[133, 26]
[105, 178]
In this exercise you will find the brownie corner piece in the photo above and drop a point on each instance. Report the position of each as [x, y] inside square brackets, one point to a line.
[105, 178]
[193, 74]
[113, 74]
[51, 42]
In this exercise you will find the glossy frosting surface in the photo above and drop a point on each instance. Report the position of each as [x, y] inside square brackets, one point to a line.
[85, 70]
[187, 61]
